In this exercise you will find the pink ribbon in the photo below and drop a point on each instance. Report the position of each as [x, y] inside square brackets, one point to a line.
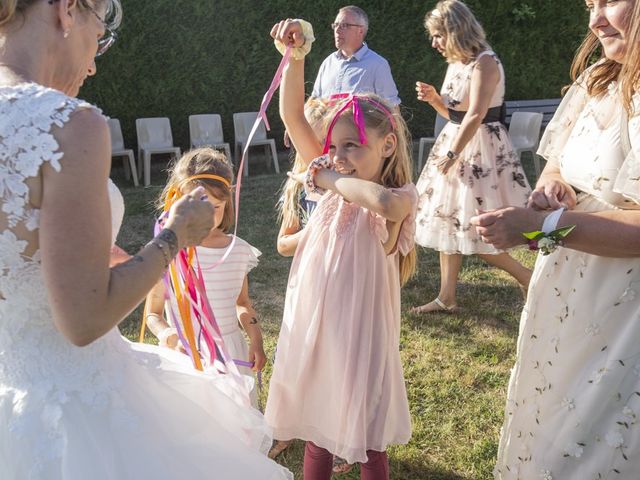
[191, 279]
[358, 116]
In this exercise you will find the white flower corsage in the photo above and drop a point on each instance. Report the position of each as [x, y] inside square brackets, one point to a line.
[547, 242]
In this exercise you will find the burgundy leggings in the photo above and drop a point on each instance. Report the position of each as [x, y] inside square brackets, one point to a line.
[318, 464]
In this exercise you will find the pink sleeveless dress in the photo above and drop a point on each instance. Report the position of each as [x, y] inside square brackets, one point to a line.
[337, 378]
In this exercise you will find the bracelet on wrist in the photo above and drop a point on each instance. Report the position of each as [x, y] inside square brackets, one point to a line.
[167, 242]
[323, 162]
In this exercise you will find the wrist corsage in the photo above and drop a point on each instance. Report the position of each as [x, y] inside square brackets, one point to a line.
[550, 238]
[547, 242]
[314, 167]
[299, 52]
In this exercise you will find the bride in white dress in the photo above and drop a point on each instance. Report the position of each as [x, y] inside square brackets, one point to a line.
[573, 403]
[77, 401]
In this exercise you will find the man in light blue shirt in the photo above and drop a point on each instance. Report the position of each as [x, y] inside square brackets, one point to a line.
[354, 67]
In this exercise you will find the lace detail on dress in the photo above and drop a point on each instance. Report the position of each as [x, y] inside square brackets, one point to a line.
[39, 370]
[27, 114]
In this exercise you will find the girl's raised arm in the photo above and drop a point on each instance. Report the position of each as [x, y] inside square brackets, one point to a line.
[305, 141]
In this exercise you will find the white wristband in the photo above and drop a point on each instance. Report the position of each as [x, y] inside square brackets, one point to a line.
[551, 221]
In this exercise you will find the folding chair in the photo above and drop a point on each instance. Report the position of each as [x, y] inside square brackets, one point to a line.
[118, 150]
[242, 123]
[207, 130]
[154, 136]
[524, 132]
[439, 125]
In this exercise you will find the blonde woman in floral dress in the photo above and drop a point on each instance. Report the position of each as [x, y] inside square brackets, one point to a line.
[574, 396]
[472, 165]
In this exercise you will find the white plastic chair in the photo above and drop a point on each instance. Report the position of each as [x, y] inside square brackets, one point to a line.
[524, 132]
[439, 125]
[154, 137]
[207, 130]
[242, 123]
[118, 150]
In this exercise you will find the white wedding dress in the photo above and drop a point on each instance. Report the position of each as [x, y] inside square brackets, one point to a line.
[111, 410]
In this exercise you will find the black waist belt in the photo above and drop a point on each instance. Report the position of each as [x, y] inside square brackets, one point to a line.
[494, 114]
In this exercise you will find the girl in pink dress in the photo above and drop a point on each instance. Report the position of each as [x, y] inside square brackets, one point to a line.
[337, 380]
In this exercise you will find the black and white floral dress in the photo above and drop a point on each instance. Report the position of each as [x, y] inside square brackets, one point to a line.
[488, 175]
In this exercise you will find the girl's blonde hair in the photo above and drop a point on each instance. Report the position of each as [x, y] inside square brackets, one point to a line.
[290, 210]
[200, 161]
[607, 70]
[9, 9]
[465, 37]
[397, 169]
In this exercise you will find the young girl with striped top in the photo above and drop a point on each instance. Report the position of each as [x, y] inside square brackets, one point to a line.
[226, 283]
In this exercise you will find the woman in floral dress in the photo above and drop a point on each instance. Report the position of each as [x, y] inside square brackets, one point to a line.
[472, 165]
[574, 396]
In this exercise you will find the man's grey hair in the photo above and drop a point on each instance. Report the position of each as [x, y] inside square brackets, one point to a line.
[363, 18]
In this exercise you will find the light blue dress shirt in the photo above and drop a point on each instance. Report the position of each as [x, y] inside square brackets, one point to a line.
[364, 72]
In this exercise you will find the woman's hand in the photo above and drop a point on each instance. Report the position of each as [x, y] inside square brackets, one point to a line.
[503, 228]
[191, 218]
[257, 356]
[551, 194]
[289, 32]
[444, 164]
[426, 93]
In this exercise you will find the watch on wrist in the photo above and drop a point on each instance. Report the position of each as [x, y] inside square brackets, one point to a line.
[452, 155]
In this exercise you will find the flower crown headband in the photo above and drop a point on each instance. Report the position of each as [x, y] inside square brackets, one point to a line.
[358, 116]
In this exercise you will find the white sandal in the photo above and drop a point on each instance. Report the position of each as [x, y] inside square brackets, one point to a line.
[444, 308]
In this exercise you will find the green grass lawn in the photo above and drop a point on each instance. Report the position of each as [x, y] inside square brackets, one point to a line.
[456, 366]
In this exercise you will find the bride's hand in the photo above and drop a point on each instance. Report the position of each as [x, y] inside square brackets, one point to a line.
[191, 218]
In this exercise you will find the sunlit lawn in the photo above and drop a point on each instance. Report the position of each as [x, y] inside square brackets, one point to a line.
[456, 366]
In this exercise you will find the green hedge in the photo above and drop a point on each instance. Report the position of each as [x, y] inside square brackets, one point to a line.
[180, 57]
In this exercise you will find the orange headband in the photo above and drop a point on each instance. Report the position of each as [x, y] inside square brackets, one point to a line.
[175, 192]
[210, 176]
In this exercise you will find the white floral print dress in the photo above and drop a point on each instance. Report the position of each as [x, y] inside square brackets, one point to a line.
[574, 396]
[488, 175]
[111, 410]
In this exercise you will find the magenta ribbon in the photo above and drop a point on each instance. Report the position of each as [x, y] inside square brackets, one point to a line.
[358, 116]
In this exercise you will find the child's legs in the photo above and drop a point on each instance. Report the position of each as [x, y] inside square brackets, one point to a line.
[377, 468]
[318, 462]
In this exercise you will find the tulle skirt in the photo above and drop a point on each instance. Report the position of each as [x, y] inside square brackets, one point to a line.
[127, 411]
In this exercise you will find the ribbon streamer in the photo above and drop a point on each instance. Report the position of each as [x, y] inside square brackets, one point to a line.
[184, 284]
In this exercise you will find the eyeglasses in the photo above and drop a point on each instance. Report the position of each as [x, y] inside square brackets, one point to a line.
[108, 39]
[343, 26]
